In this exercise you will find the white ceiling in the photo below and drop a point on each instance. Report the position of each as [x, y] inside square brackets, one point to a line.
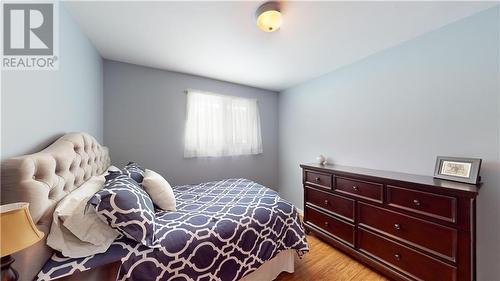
[220, 39]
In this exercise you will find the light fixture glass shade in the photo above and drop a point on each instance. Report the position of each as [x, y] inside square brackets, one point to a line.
[269, 17]
[269, 21]
[18, 231]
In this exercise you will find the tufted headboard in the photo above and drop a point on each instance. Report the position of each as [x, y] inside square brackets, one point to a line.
[42, 179]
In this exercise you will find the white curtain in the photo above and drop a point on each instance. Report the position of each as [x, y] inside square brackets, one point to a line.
[219, 125]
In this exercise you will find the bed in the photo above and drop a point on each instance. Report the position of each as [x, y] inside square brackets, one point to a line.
[232, 229]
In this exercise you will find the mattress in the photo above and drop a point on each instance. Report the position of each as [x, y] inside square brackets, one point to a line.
[222, 230]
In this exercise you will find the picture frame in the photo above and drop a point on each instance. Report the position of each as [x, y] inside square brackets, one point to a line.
[458, 169]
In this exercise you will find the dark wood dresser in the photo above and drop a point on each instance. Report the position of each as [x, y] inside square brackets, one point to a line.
[407, 227]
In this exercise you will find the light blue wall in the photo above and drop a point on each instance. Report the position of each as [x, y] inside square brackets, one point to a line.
[144, 117]
[397, 110]
[39, 106]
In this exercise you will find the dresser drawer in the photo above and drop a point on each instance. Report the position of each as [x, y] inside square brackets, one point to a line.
[363, 189]
[339, 205]
[437, 239]
[337, 228]
[413, 263]
[432, 205]
[318, 179]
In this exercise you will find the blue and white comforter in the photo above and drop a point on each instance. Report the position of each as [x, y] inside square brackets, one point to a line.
[221, 231]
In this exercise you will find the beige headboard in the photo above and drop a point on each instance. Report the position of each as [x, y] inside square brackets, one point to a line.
[42, 179]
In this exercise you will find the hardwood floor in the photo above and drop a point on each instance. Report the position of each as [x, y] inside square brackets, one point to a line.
[324, 262]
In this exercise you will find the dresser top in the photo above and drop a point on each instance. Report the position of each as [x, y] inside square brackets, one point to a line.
[395, 176]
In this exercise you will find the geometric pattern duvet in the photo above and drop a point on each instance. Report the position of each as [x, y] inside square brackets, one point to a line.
[221, 230]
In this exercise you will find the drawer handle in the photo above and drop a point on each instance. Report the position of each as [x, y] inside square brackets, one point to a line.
[317, 179]
[326, 223]
[355, 188]
[397, 257]
[326, 202]
[397, 226]
[416, 202]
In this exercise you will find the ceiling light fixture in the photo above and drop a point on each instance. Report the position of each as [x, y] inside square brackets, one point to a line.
[269, 16]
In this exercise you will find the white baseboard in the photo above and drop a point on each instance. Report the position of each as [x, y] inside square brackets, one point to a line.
[301, 212]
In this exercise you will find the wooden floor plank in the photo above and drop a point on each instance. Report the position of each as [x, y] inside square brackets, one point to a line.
[325, 263]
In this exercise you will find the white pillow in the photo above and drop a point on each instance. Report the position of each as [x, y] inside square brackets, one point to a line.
[159, 190]
[76, 231]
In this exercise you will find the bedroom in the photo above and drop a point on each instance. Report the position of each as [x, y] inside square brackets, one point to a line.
[274, 140]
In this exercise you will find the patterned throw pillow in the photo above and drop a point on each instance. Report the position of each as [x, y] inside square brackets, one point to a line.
[134, 171]
[126, 207]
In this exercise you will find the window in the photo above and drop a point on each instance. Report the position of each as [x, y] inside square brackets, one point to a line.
[219, 125]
